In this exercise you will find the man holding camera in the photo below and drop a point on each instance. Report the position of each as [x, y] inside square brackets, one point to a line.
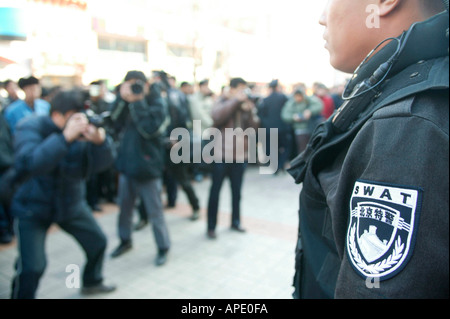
[56, 153]
[139, 117]
[235, 110]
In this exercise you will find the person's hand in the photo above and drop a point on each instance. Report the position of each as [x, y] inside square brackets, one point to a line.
[127, 94]
[94, 135]
[241, 96]
[76, 125]
[307, 115]
[297, 118]
[247, 106]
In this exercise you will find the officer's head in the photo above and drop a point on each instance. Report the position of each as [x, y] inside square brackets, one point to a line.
[354, 27]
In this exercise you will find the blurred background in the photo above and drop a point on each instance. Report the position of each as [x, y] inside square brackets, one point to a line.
[72, 43]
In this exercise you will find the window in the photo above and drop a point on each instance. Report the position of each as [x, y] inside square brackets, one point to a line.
[123, 45]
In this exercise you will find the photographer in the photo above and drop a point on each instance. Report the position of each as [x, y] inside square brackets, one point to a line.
[233, 110]
[139, 117]
[57, 153]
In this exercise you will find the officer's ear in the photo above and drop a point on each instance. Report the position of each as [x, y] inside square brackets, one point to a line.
[386, 7]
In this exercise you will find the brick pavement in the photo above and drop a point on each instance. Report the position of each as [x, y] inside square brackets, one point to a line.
[256, 265]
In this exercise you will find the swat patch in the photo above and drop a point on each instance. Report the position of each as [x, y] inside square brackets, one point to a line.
[382, 230]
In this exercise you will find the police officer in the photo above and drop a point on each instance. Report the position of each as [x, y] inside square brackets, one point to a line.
[374, 207]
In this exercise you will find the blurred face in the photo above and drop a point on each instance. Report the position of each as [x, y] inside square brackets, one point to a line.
[299, 98]
[32, 92]
[60, 119]
[204, 89]
[346, 34]
[12, 89]
[238, 90]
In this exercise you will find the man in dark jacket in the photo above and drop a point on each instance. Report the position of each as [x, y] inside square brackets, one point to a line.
[269, 112]
[140, 119]
[374, 210]
[57, 153]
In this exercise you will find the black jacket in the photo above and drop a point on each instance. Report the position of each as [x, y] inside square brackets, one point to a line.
[6, 147]
[269, 111]
[55, 170]
[374, 208]
[140, 127]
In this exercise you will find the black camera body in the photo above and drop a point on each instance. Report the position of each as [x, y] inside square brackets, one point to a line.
[99, 120]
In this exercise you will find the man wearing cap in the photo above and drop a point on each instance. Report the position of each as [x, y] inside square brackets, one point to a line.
[31, 105]
[54, 155]
[139, 117]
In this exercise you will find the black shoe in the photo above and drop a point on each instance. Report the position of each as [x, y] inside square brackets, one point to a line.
[123, 248]
[239, 229]
[161, 259]
[99, 289]
[141, 225]
[211, 234]
[195, 215]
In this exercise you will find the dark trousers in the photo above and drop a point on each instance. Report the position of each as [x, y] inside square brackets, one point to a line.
[235, 172]
[302, 142]
[101, 185]
[32, 261]
[5, 219]
[178, 174]
[284, 147]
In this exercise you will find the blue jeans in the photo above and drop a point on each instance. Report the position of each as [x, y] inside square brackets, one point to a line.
[32, 261]
[235, 172]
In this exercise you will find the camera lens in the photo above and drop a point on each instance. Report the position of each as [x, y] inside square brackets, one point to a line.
[138, 87]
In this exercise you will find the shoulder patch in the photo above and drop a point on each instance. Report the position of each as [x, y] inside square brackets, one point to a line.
[383, 226]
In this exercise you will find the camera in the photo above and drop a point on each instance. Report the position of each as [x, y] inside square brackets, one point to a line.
[252, 97]
[138, 87]
[98, 120]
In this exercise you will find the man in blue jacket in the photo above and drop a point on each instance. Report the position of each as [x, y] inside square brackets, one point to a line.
[56, 153]
[32, 104]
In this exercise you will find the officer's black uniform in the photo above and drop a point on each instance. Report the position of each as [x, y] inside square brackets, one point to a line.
[374, 209]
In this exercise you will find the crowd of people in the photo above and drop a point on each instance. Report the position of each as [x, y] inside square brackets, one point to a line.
[64, 151]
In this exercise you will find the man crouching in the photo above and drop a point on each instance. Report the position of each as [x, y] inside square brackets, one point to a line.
[56, 153]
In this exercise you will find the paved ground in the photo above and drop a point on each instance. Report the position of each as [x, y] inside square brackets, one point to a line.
[255, 265]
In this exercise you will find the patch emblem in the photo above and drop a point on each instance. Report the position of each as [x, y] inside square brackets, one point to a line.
[382, 229]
